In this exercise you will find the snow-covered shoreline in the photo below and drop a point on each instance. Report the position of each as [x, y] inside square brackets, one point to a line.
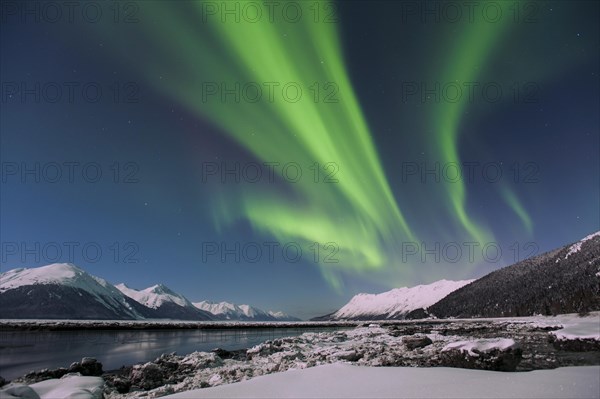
[481, 344]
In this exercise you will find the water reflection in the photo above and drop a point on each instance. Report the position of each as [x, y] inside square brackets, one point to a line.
[23, 351]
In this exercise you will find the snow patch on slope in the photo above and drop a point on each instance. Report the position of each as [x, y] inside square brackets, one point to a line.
[573, 249]
[398, 301]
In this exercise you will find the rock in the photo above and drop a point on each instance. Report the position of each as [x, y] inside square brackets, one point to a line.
[42, 375]
[399, 331]
[575, 345]
[265, 349]
[122, 385]
[147, 376]
[506, 359]
[2, 381]
[349, 355]
[225, 354]
[415, 342]
[87, 367]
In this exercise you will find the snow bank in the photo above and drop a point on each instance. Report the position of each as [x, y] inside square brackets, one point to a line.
[481, 345]
[70, 386]
[346, 381]
[579, 328]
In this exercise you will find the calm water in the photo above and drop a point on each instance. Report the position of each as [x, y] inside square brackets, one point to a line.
[23, 351]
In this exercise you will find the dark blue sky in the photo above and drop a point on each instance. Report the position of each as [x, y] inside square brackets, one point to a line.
[153, 218]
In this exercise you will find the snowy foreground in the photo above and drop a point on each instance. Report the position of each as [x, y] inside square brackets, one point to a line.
[347, 381]
[341, 364]
[70, 386]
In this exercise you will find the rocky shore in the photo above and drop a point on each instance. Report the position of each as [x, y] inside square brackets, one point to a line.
[485, 345]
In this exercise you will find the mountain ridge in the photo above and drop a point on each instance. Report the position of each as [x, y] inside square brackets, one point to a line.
[563, 280]
[395, 303]
[65, 291]
[231, 311]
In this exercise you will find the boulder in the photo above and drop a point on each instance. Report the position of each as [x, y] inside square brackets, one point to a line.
[147, 376]
[480, 355]
[225, 354]
[87, 367]
[414, 342]
[575, 345]
[122, 385]
[42, 375]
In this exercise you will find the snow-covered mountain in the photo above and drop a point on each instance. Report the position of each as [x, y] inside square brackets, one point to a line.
[230, 311]
[62, 290]
[65, 291]
[165, 302]
[397, 303]
[154, 296]
[283, 316]
[565, 280]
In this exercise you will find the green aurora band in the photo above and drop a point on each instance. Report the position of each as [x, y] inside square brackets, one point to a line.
[465, 66]
[358, 213]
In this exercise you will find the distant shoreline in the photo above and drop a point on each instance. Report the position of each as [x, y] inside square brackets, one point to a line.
[70, 325]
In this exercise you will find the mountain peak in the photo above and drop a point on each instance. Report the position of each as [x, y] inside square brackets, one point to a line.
[159, 289]
[397, 302]
[67, 279]
[155, 296]
[55, 273]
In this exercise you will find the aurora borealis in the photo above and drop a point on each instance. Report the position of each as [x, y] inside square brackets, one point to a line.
[357, 212]
[358, 97]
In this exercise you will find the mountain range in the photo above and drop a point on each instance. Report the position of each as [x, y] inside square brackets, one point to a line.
[230, 311]
[564, 280]
[65, 291]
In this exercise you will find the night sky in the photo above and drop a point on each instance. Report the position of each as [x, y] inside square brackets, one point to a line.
[204, 144]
